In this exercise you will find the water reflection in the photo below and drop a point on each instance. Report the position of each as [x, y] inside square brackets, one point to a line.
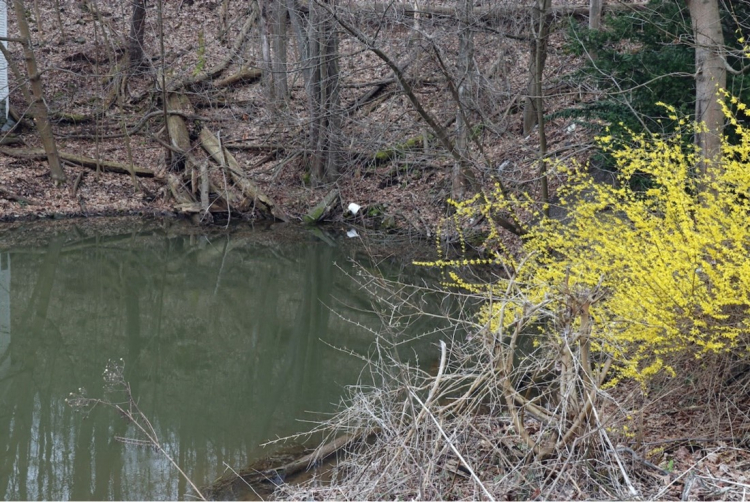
[221, 339]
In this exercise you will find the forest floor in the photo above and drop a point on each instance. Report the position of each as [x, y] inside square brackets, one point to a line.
[408, 193]
[686, 435]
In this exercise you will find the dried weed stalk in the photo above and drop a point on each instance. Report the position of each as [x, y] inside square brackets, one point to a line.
[115, 383]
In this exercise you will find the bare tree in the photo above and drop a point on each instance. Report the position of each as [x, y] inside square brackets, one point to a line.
[37, 105]
[317, 43]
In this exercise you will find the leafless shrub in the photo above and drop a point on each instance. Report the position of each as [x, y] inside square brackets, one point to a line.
[513, 413]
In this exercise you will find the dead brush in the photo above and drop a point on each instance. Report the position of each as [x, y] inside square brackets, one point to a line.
[511, 414]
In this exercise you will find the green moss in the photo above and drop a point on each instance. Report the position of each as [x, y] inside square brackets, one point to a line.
[314, 215]
[375, 210]
[415, 143]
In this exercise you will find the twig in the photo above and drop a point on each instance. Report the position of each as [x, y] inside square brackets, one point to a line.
[243, 480]
[455, 450]
[642, 460]
[137, 127]
[150, 433]
[76, 183]
[7, 194]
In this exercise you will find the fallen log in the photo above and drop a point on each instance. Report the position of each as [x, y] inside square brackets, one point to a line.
[261, 477]
[10, 139]
[321, 208]
[178, 133]
[390, 153]
[243, 76]
[61, 117]
[181, 196]
[181, 144]
[106, 165]
[318, 455]
[224, 158]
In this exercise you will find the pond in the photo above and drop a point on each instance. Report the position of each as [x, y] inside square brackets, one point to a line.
[228, 340]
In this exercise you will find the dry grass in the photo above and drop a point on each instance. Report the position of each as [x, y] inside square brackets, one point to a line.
[458, 432]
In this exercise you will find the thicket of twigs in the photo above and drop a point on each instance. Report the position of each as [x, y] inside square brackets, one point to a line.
[511, 416]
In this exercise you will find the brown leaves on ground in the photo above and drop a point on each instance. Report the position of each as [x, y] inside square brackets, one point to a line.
[81, 72]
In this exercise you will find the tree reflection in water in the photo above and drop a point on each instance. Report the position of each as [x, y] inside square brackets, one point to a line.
[222, 339]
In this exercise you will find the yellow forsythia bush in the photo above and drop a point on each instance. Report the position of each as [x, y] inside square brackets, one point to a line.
[673, 258]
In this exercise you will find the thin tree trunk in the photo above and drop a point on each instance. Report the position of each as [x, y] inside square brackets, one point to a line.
[595, 14]
[137, 30]
[711, 75]
[541, 21]
[224, 21]
[460, 183]
[317, 42]
[313, 91]
[305, 50]
[162, 76]
[265, 48]
[330, 99]
[414, 36]
[37, 92]
[279, 47]
[38, 16]
[59, 21]
[543, 7]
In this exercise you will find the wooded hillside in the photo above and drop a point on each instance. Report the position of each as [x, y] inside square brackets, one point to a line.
[228, 109]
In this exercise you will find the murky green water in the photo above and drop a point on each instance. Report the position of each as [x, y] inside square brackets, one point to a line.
[222, 338]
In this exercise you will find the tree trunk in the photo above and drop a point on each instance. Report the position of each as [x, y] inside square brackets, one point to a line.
[37, 92]
[461, 176]
[711, 75]
[273, 14]
[329, 98]
[115, 167]
[317, 42]
[265, 47]
[279, 47]
[541, 21]
[177, 129]
[543, 7]
[595, 14]
[137, 30]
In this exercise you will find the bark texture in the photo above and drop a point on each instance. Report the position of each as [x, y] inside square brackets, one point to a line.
[595, 14]
[710, 76]
[137, 30]
[541, 21]
[461, 179]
